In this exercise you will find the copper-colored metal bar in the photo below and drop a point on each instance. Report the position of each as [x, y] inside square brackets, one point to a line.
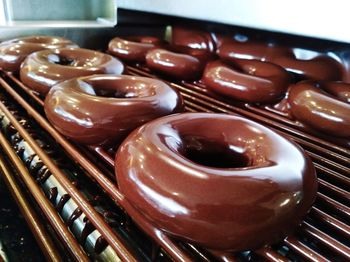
[100, 151]
[109, 187]
[344, 180]
[271, 255]
[66, 236]
[24, 88]
[80, 200]
[337, 206]
[304, 250]
[39, 232]
[337, 225]
[330, 242]
[336, 190]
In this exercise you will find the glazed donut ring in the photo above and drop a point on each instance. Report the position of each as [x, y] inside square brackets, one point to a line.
[319, 110]
[103, 109]
[196, 39]
[41, 70]
[338, 89]
[179, 62]
[250, 81]
[216, 180]
[301, 62]
[320, 68]
[133, 49]
[13, 52]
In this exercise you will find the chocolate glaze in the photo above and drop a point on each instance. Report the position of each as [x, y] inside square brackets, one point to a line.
[41, 70]
[76, 213]
[315, 66]
[87, 230]
[247, 80]
[265, 191]
[338, 89]
[100, 245]
[63, 200]
[103, 109]
[177, 65]
[53, 194]
[319, 110]
[195, 39]
[133, 49]
[13, 52]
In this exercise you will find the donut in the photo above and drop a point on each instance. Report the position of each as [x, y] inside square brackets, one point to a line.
[196, 39]
[320, 67]
[338, 89]
[13, 52]
[250, 50]
[133, 49]
[305, 64]
[178, 62]
[43, 69]
[216, 180]
[250, 81]
[313, 107]
[103, 109]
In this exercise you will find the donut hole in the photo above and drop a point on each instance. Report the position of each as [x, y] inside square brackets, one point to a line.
[60, 60]
[213, 154]
[118, 89]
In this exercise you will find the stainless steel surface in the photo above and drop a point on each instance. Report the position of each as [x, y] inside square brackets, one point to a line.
[320, 19]
[58, 14]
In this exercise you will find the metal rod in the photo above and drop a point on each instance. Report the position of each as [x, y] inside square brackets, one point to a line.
[66, 236]
[39, 232]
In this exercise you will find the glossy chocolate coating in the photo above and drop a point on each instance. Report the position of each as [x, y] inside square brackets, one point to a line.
[321, 68]
[220, 181]
[338, 89]
[250, 50]
[196, 39]
[41, 70]
[133, 49]
[247, 80]
[318, 110]
[13, 52]
[317, 67]
[103, 109]
[176, 65]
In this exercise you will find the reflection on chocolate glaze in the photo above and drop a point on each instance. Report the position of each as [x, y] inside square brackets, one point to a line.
[177, 65]
[313, 107]
[133, 49]
[265, 187]
[78, 112]
[195, 39]
[40, 73]
[247, 80]
[13, 52]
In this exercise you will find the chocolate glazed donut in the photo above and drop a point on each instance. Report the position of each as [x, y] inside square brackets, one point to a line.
[13, 52]
[103, 109]
[180, 62]
[193, 38]
[41, 70]
[318, 110]
[133, 49]
[315, 67]
[220, 181]
[250, 81]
